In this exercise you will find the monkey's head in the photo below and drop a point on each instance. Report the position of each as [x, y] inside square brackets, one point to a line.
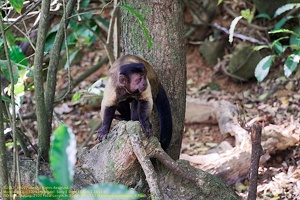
[133, 77]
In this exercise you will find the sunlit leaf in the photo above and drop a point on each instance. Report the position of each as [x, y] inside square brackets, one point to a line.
[284, 31]
[263, 67]
[285, 8]
[76, 97]
[291, 63]
[259, 47]
[248, 15]
[232, 27]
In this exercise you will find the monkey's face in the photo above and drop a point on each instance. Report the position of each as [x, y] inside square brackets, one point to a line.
[138, 83]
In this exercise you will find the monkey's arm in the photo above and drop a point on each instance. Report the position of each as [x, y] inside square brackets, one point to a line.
[144, 108]
[109, 113]
[108, 109]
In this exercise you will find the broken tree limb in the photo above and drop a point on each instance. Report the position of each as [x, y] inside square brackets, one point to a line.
[146, 165]
[256, 152]
[232, 164]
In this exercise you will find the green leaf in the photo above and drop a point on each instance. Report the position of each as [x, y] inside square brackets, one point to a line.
[279, 48]
[17, 5]
[291, 63]
[295, 40]
[63, 156]
[219, 2]
[107, 191]
[5, 71]
[11, 144]
[282, 22]
[47, 182]
[84, 4]
[232, 27]
[263, 15]
[284, 31]
[263, 67]
[19, 88]
[16, 54]
[259, 47]
[142, 22]
[6, 99]
[76, 97]
[247, 14]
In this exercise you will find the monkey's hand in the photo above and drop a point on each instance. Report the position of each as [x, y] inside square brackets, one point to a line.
[102, 133]
[147, 128]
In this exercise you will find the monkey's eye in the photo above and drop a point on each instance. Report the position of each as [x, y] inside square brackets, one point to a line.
[138, 80]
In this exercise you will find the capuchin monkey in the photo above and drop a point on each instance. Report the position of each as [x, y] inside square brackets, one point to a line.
[132, 88]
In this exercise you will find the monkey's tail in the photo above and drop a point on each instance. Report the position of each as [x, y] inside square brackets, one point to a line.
[165, 117]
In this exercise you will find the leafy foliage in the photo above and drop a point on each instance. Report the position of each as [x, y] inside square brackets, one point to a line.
[278, 46]
[17, 5]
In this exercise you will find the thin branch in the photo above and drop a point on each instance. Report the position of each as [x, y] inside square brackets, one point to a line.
[67, 54]
[256, 153]
[24, 14]
[3, 164]
[12, 117]
[109, 41]
[117, 30]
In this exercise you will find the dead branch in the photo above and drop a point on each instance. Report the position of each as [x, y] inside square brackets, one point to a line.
[257, 151]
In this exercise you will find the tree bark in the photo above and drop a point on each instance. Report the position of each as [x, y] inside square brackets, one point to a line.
[3, 163]
[164, 20]
[45, 97]
[44, 144]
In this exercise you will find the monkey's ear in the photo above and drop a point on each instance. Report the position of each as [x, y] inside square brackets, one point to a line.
[123, 79]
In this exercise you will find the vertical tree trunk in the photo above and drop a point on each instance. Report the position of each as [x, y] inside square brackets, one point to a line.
[164, 20]
[3, 162]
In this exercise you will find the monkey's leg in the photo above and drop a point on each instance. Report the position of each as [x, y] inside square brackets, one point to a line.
[134, 110]
[108, 116]
[124, 109]
[143, 110]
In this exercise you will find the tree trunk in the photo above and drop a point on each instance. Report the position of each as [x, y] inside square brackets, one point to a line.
[164, 20]
[3, 163]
